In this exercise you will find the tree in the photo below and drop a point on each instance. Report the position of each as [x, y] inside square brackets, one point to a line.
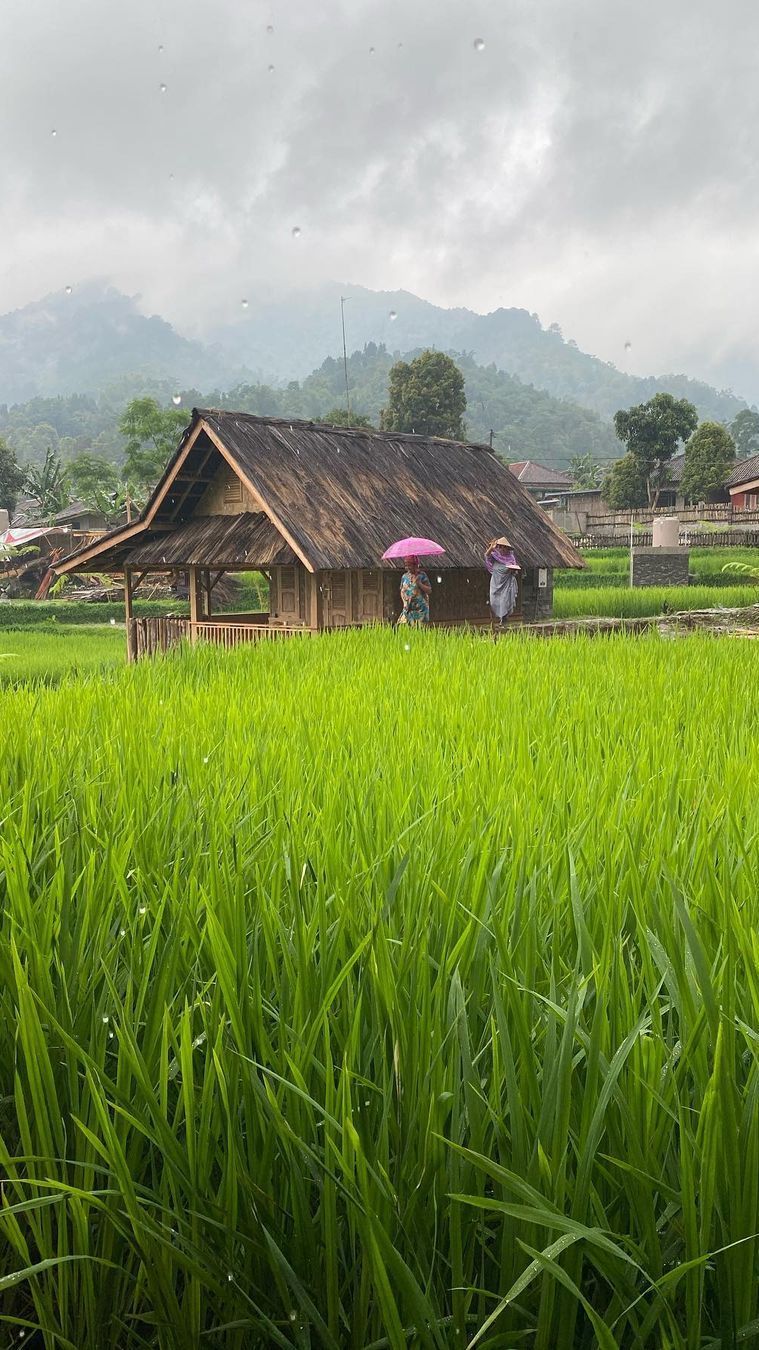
[426, 395]
[744, 430]
[340, 417]
[585, 470]
[652, 433]
[95, 482]
[49, 484]
[708, 456]
[624, 487]
[11, 478]
[151, 433]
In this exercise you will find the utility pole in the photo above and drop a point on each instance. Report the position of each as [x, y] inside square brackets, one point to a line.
[492, 434]
[343, 298]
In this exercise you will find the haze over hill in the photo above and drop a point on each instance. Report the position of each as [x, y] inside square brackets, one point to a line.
[83, 341]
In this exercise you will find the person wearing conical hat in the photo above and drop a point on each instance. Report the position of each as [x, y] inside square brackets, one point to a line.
[504, 571]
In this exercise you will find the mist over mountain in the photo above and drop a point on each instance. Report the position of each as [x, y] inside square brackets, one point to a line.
[81, 341]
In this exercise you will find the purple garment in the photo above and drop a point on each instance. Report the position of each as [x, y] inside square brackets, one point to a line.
[504, 556]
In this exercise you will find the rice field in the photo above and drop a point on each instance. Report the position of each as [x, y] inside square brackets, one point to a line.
[380, 992]
[49, 654]
[627, 603]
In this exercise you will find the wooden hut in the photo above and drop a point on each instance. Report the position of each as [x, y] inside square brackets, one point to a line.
[314, 507]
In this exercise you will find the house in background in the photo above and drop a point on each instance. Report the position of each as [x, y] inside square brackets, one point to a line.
[81, 518]
[743, 484]
[538, 479]
[315, 507]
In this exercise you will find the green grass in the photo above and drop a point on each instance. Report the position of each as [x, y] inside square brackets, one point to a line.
[703, 561]
[16, 614]
[621, 602]
[364, 991]
[51, 654]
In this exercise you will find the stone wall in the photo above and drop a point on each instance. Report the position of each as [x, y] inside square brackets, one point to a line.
[660, 566]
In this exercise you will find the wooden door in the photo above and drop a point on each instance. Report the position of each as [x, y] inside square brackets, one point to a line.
[336, 599]
[370, 600]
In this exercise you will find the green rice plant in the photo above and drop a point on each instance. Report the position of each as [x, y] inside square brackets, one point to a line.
[52, 654]
[379, 991]
[637, 602]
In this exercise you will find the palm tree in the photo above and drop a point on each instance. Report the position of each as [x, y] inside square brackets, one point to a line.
[49, 484]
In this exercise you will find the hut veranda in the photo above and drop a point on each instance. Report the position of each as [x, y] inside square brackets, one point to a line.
[314, 507]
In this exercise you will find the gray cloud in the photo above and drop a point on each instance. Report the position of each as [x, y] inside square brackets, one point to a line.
[593, 162]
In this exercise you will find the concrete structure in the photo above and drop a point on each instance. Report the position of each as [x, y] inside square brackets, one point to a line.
[660, 566]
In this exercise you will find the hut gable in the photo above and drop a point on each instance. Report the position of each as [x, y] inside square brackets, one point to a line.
[335, 497]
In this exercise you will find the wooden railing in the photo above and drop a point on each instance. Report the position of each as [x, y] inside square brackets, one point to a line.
[148, 637]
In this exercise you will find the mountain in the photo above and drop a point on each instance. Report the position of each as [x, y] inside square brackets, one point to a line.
[286, 336]
[526, 422]
[79, 342]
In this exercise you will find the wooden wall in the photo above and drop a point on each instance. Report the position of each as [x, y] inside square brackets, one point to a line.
[337, 599]
[226, 495]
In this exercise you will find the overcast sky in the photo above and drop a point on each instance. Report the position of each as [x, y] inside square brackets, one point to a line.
[595, 160]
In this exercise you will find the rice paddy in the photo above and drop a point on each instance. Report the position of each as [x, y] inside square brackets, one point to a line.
[381, 991]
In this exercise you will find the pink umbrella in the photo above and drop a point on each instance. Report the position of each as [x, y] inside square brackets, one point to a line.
[413, 548]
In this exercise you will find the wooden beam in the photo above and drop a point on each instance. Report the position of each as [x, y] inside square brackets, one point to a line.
[194, 596]
[128, 615]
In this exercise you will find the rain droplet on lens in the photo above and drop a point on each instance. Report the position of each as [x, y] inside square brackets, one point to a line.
[371, 51]
[122, 932]
[628, 345]
[176, 399]
[439, 580]
[296, 231]
[54, 132]
[143, 909]
[271, 70]
[106, 1019]
[230, 1276]
[392, 316]
[110, 1035]
[68, 290]
[292, 1315]
[244, 304]
[270, 28]
[479, 44]
[160, 46]
[163, 88]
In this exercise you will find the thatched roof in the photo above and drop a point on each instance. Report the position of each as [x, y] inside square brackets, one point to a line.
[338, 497]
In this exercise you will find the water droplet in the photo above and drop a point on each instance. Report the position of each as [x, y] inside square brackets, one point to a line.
[171, 177]
[393, 315]
[371, 51]
[366, 1103]
[122, 932]
[113, 623]
[176, 399]
[479, 44]
[54, 132]
[292, 1315]
[439, 580]
[110, 1035]
[69, 290]
[143, 909]
[106, 1019]
[407, 647]
[270, 69]
[160, 46]
[205, 759]
[628, 345]
[270, 28]
[163, 88]
[230, 1277]
[400, 45]
[244, 304]
[296, 231]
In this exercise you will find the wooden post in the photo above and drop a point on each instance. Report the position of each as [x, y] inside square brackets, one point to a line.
[313, 598]
[194, 607]
[128, 615]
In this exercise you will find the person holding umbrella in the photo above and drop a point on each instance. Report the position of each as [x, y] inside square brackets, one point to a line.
[415, 585]
[415, 593]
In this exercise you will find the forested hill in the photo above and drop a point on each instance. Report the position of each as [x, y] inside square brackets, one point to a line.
[288, 336]
[528, 423]
[85, 340]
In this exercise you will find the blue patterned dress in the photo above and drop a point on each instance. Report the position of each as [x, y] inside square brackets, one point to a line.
[416, 607]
